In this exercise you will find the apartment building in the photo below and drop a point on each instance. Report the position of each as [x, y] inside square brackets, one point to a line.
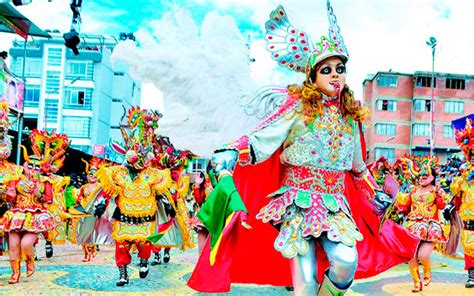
[81, 95]
[401, 105]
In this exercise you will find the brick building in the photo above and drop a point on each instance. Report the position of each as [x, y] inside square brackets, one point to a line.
[401, 103]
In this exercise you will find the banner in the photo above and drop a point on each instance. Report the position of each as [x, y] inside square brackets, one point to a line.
[12, 91]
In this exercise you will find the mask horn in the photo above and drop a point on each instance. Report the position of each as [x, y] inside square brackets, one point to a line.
[25, 154]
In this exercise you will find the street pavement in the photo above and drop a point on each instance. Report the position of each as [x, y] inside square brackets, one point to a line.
[66, 274]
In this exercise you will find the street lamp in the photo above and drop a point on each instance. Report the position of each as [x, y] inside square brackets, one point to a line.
[432, 43]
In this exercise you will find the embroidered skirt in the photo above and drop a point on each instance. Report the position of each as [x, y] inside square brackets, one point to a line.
[38, 221]
[310, 202]
[431, 231]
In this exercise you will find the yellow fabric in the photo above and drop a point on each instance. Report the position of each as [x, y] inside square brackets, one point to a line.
[122, 231]
[467, 240]
[212, 256]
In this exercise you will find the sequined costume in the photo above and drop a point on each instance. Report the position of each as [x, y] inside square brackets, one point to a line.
[92, 230]
[423, 216]
[134, 189]
[462, 188]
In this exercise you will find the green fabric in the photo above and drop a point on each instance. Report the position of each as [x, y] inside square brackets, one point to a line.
[212, 177]
[69, 198]
[222, 202]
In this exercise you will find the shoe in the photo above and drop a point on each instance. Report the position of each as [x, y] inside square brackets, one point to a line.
[48, 249]
[15, 278]
[328, 288]
[418, 284]
[30, 265]
[87, 255]
[123, 280]
[166, 256]
[143, 268]
[470, 280]
[156, 260]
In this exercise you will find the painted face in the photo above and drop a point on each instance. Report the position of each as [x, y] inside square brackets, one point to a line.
[91, 178]
[32, 169]
[331, 76]
[425, 178]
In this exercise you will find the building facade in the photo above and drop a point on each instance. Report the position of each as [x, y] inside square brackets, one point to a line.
[401, 105]
[81, 95]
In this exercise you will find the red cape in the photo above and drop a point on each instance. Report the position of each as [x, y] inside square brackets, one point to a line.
[248, 256]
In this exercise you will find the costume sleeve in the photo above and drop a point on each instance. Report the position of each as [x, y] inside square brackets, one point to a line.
[442, 199]
[358, 164]
[260, 144]
[403, 202]
[105, 176]
[47, 192]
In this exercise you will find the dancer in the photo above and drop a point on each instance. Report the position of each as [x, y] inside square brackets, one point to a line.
[462, 188]
[422, 207]
[8, 171]
[95, 229]
[134, 187]
[308, 157]
[28, 216]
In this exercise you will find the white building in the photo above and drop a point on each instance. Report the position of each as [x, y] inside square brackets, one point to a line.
[81, 95]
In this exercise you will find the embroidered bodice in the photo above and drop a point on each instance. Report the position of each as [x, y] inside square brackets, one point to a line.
[134, 197]
[422, 205]
[328, 143]
[28, 195]
[465, 191]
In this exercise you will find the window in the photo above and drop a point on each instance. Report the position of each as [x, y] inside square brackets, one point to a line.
[452, 83]
[448, 131]
[198, 165]
[454, 107]
[422, 153]
[77, 127]
[389, 153]
[385, 129]
[33, 67]
[422, 105]
[421, 129]
[32, 95]
[386, 105]
[75, 98]
[55, 56]
[51, 110]
[423, 81]
[387, 81]
[52, 82]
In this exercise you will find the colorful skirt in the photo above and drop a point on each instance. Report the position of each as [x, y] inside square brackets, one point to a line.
[310, 203]
[431, 231]
[38, 221]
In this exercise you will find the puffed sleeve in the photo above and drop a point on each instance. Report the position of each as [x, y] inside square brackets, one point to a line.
[403, 202]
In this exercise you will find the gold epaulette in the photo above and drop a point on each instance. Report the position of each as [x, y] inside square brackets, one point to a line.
[105, 176]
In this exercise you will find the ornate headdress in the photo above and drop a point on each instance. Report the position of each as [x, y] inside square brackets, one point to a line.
[93, 164]
[52, 146]
[292, 48]
[138, 128]
[465, 140]
[430, 164]
[5, 143]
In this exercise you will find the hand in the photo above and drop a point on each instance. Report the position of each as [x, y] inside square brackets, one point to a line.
[448, 209]
[224, 160]
[99, 208]
[381, 202]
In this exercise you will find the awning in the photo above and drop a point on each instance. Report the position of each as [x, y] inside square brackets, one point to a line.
[12, 21]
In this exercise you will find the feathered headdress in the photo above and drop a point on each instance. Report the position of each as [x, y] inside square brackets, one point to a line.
[292, 48]
[465, 139]
[430, 164]
[93, 164]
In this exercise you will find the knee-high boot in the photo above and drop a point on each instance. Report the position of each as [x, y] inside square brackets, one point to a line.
[426, 274]
[470, 279]
[15, 278]
[327, 288]
[418, 284]
[123, 280]
[30, 265]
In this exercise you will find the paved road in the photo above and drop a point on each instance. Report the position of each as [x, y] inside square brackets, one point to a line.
[66, 274]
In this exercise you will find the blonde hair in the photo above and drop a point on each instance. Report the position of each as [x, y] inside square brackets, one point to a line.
[312, 101]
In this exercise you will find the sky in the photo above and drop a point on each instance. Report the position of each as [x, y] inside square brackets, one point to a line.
[381, 35]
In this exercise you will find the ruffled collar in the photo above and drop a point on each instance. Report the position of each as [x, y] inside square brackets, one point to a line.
[330, 101]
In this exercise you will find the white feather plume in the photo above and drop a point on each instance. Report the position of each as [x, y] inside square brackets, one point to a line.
[202, 72]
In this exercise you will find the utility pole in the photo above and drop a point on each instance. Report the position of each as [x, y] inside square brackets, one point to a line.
[432, 43]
